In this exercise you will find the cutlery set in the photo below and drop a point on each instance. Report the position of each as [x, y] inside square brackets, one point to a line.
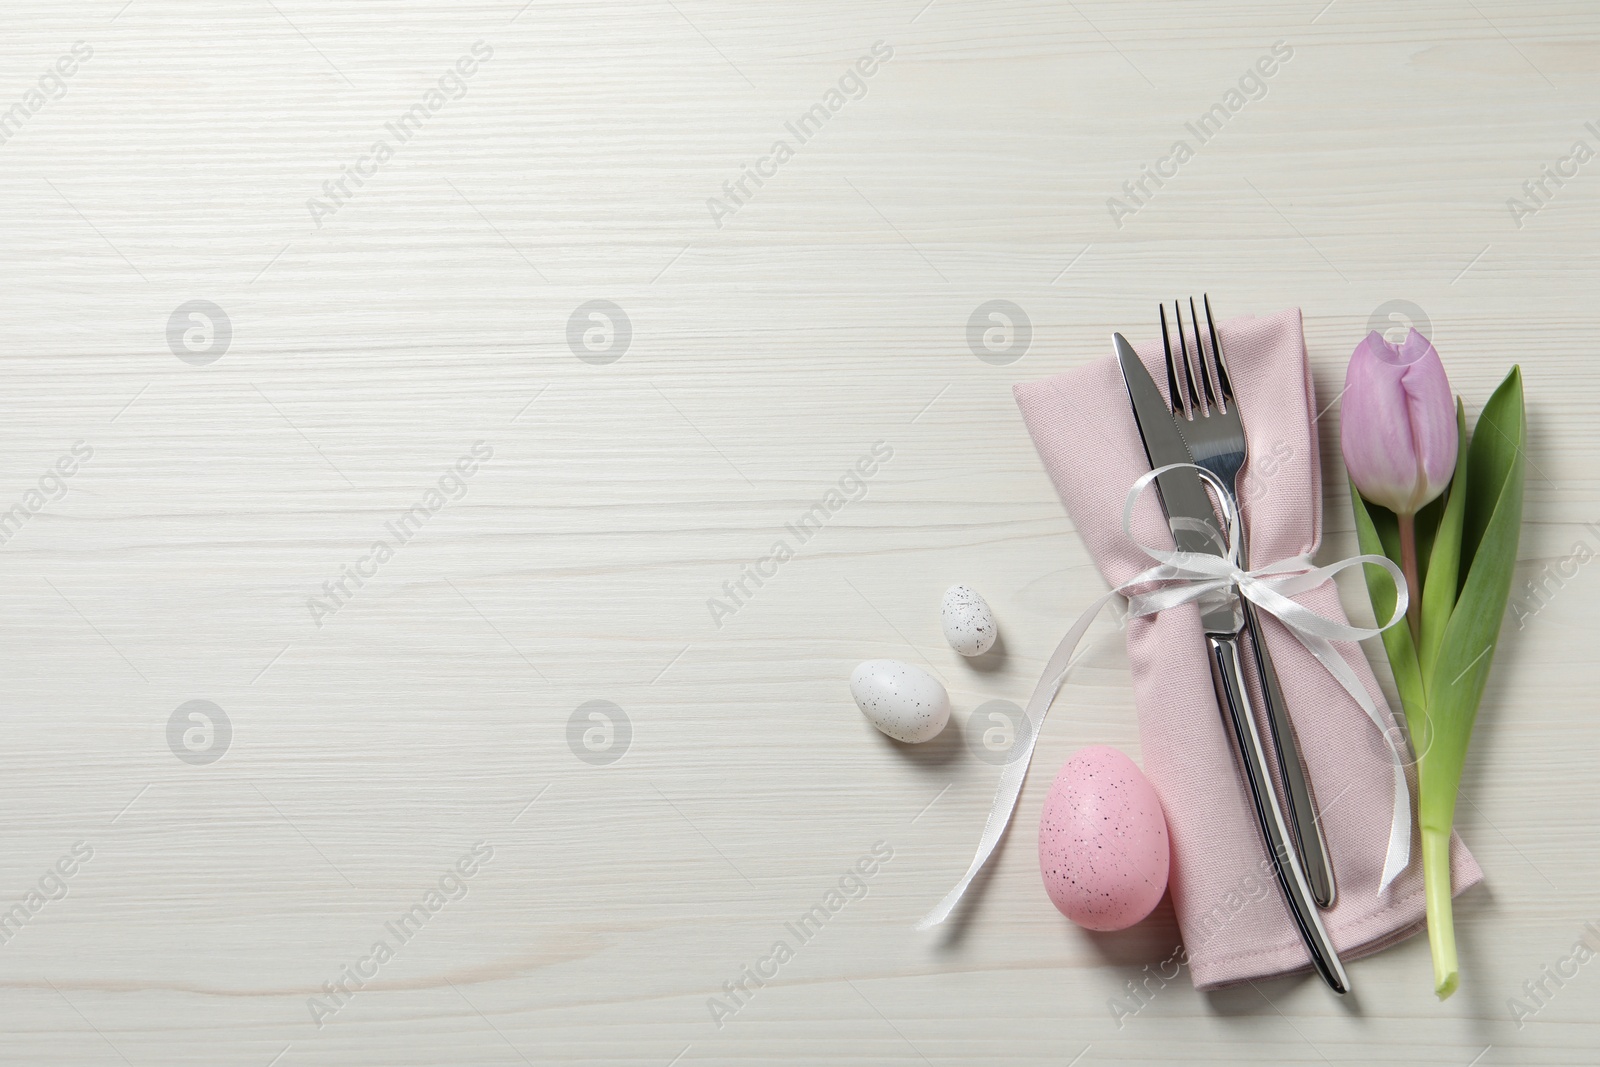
[1199, 422]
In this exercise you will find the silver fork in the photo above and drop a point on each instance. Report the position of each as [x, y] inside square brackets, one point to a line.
[1208, 419]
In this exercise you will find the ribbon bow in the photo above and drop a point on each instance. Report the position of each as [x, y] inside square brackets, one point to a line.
[1193, 576]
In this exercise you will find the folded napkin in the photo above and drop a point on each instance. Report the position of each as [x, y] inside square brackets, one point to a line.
[1232, 915]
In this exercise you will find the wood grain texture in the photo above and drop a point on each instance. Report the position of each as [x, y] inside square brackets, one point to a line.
[430, 713]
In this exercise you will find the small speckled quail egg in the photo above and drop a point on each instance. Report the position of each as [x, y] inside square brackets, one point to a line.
[903, 701]
[968, 622]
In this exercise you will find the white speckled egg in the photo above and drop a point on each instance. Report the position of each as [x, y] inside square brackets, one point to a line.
[968, 622]
[1103, 846]
[903, 701]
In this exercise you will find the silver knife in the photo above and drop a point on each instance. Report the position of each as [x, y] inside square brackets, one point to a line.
[1196, 528]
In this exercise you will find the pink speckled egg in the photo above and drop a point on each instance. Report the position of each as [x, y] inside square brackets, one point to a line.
[1103, 841]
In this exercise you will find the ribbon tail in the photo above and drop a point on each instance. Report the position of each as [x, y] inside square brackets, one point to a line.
[1005, 797]
[1398, 855]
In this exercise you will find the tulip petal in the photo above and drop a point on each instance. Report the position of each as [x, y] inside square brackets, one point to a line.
[1375, 432]
[1398, 429]
[1428, 395]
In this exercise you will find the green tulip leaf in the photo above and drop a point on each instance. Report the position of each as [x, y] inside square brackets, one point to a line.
[1491, 461]
[1440, 586]
[1492, 521]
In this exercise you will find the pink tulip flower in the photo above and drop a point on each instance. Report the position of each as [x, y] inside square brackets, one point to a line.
[1398, 433]
[1399, 423]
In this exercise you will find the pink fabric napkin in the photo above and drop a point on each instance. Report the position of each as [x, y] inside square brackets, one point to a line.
[1232, 915]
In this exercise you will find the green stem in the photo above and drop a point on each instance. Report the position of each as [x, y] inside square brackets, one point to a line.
[1441, 924]
[1408, 565]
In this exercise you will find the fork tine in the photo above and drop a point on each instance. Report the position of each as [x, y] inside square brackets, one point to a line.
[1174, 400]
[1192, 397]
[1200, 357]
[1216, 351]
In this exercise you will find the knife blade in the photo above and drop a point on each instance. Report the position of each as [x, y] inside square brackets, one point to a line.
[1193, 521]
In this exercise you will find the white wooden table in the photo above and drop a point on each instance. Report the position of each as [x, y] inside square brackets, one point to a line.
[238, 860]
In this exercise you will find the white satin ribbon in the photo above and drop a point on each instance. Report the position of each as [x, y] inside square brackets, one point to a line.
[1192, 576]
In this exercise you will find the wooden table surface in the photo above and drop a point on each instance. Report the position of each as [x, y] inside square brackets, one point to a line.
[262, 345]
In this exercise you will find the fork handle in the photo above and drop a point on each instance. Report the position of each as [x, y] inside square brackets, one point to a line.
[1286, 746]
[1313, 846]
[1228, 673]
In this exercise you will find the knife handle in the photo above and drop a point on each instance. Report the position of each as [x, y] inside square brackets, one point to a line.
[1228, 674]
[1286, 746]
